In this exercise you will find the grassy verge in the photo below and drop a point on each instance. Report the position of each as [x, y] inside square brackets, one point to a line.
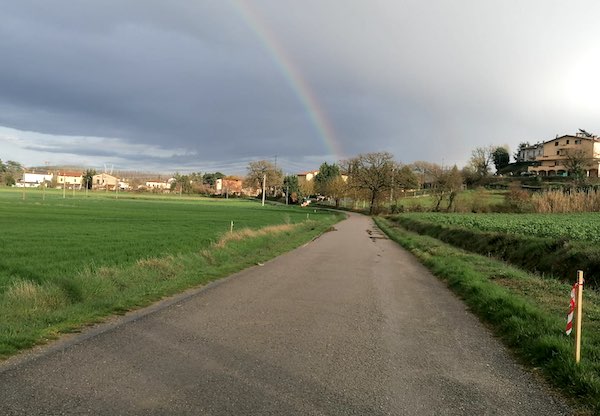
[559, 257]
[35, 312]
[528, 312]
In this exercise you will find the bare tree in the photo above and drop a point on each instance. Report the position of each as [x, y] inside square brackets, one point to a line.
[426, 172]
[577, 163]
[336, 188]
[404, 178]
[307, 188]
[371, 172]
[481, 160]
[258, 169]
[448, 184]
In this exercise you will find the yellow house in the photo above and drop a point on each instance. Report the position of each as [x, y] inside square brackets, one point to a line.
[104, 181]
[559, 151]
[69, 179]
[307, 176]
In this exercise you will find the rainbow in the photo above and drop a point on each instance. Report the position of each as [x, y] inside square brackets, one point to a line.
[293, 77]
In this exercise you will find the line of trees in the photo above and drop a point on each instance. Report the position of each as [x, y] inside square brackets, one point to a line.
[371, 176]
[377, 178]
[9, 172]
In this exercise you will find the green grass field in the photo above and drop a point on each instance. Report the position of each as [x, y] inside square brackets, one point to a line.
[65, 262]
[46, 240]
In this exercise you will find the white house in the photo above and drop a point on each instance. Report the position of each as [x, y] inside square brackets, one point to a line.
[158, 184]
[33, 180]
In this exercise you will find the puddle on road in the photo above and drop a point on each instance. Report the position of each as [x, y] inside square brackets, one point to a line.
[375, 234]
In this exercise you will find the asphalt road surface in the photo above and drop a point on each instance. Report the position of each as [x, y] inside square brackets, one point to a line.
[349, 324]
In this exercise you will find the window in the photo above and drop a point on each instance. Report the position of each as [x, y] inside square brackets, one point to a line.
[555, 143]
[557, 152]
[577, 141]
[567, 141]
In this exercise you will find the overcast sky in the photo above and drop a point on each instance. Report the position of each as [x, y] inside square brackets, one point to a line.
[205, 85]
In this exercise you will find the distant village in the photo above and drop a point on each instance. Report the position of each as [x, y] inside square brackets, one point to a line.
[571, 157]
[216, 183]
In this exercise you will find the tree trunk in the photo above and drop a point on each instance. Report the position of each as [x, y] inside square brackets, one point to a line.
[373, 198]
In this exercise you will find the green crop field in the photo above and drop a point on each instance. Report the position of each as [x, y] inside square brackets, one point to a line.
[574, 226]
[45, 240]
[66, 262]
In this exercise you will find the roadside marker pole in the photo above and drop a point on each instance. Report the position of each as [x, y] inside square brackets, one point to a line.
[264, 185]
[231, 229]
[579, 317]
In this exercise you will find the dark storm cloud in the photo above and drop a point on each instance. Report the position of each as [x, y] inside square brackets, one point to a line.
[176, 83]
[155, 77]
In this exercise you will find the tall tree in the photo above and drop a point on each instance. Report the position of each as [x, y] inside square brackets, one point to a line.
[181, 184]
[258, 169]
[9, 172]
[521, 146]
[327, 173]
[330, 183]
[448, 184]
[210, 178]
[501, 157]
[336, 188]
[577, 163]
[481, 160]
[290, 183]
[88, 178]
[405, 178]
[425, 171]
[372, 172]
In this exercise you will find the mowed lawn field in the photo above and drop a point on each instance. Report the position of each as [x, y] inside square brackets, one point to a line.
[65, 262]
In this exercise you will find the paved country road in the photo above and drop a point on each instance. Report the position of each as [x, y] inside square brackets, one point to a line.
[349, 324]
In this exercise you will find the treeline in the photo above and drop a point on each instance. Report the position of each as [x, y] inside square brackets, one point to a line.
[373, 177]
[10, 171]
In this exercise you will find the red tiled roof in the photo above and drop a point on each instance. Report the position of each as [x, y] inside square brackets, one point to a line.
[72, 173]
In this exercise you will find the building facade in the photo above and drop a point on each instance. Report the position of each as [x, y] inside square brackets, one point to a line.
[228, 186]
[104, 181]
[69, 179]
[531, 153]
[561, 151]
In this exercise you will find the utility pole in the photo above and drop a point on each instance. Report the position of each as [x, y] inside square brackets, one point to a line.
[392, 188]
[263, 188]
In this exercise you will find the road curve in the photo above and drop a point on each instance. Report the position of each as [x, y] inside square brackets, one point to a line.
[349, 324]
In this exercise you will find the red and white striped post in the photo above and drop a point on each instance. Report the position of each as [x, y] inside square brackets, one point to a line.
[576, 302]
